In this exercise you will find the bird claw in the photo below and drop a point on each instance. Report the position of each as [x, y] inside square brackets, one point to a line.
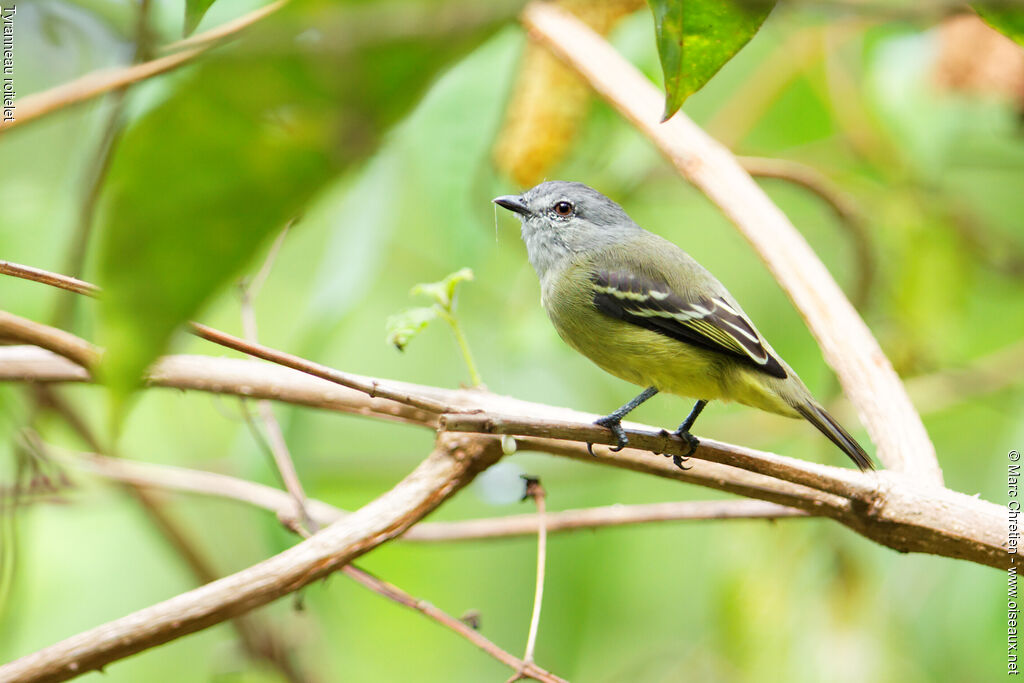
[677, 460]
[615, 425]
[691, 441]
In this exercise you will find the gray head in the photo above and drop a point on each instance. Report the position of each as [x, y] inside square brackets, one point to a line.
[561, 218]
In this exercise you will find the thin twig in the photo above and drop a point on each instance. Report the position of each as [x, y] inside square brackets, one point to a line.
[97, 172]
[536, 491]
[372, 387]
[396, 594]
[259, 640]
[94, 84]
[453, 463]
[199, 482]
[100, 82]
[274, 435]
[72, 284]
[228, 29]
[847, 344]
[974, 531]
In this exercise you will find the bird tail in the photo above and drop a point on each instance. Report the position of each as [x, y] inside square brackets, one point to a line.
[828, 426]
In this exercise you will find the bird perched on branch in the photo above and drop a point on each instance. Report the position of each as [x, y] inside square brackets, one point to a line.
[645, 311]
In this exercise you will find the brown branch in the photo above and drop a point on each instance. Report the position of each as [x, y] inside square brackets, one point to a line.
[258, 639]
[535, 491]
[102, 81]
[274, 435]
[454, 462]
[47, 278]
[94, 84]
[199, 482]
[402, 598]
[226, 30]
[841, 482]
[21, 330]
[881, 508]
[83, 354]
[944, 522]
[847, 344]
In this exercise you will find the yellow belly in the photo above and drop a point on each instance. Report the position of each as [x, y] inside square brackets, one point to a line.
[648, 358]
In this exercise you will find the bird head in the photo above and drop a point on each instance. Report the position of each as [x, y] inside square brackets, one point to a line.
[562, 218]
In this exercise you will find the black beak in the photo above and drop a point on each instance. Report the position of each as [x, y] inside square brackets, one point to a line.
[512, 202]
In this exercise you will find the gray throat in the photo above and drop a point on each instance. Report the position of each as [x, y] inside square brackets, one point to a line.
[545, 250]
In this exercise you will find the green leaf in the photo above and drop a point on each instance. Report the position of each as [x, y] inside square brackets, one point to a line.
[194, 11]
[1002, 17]
[697, 37]
[241, 146]
[402, 327]
[443, 291]
[196, 187]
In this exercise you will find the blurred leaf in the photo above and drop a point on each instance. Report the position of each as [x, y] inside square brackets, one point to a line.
[443, 291]
[402, 327]
[697, 37]
[360, 218]
[1002, 17]
[446, 144]
[195, 188]
[194, 11]
[240, 147]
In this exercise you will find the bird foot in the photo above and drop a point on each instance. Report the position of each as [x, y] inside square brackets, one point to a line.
[615, 425]
[691, 441]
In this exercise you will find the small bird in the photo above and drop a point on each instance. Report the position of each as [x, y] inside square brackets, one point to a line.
[645, 311]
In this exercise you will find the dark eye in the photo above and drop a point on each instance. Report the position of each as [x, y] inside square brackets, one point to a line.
[563, 209]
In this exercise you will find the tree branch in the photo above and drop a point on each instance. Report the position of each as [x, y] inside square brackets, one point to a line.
[199, 482]
[888, 507]
[454, 462]
[847, 344]
[258, 639]
[396, 594]
[96, 83]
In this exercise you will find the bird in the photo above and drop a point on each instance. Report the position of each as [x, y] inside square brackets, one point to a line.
[645, 311]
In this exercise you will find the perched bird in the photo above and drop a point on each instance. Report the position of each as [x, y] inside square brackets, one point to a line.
[645, 311]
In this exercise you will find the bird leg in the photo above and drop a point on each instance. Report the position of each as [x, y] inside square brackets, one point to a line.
[613, 421]
[684, 433]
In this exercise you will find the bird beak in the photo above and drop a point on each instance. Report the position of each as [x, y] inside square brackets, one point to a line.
[512, 202]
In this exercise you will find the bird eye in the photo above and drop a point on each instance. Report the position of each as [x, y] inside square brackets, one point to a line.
[563, 209]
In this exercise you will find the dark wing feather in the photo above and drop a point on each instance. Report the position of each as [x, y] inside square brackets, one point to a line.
[708, 322]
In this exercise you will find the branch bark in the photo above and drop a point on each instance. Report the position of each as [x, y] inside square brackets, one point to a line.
[848, 346]
[889, 507]
[96, 83]
[454, 462]
[199, 482]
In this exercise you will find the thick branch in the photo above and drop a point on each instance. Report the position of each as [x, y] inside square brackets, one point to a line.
[891, 509]
[848, 346]
[453, 463]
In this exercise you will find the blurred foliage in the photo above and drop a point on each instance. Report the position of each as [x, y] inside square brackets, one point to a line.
[935, 166]
[194, 11]
[697, 37]
[238, 150]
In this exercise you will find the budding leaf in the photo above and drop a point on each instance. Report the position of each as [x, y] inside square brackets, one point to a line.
[402, 327]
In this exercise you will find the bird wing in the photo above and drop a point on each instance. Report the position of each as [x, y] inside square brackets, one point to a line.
[708, 322]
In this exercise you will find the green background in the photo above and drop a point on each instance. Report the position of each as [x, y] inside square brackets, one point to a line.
[794, 600]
